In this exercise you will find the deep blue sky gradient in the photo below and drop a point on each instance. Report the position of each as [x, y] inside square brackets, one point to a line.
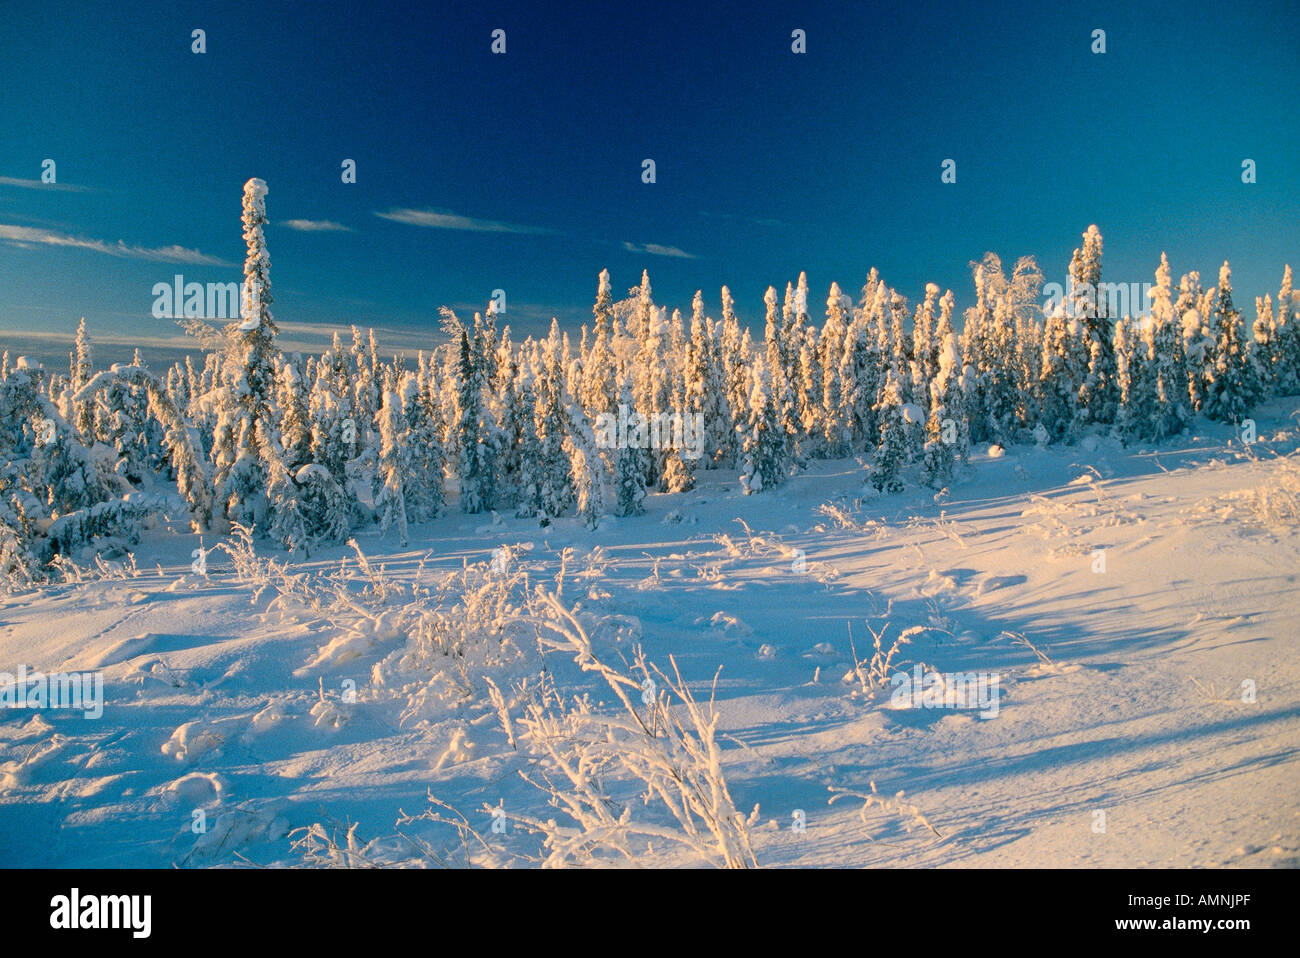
[768, 162]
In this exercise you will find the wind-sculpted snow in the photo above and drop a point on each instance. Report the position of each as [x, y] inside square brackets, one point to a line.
[1069, 631]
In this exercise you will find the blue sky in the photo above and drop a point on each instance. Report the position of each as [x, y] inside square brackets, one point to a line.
[523, 171]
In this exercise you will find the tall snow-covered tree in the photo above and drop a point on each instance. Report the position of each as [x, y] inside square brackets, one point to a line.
[586, 468]
[82, 369]
[891, 454]
[250, 368]
[422, 486]
[1288, 338]
[598, 389]
[629, 473]
[1264, 346]
[1097, 393]
[836, 428]
[778, 364]
[734, 358]
[394, 467]
[1198, 342]
[766, 459]
[555, 471]
[1161, 401]
[947, 433]
[1233, 387]
[1129, 374]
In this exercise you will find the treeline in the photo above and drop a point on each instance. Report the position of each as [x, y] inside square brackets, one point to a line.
[304, 451]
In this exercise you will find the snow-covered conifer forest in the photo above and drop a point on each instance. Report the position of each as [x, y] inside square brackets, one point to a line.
[881, 584]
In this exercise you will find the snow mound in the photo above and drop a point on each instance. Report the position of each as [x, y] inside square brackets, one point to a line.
[237, 827]
[195, 789]
[193, 740]
[728, 624]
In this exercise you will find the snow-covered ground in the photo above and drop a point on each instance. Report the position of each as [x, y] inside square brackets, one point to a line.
[1128, 600]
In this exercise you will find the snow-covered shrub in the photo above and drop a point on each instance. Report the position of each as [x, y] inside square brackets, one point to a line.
[875, 673]
[1273, 503]
[599, 768]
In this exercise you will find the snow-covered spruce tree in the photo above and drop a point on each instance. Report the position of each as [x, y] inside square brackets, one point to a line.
[1097, 392]
[698, 377]
[598, 390]
[785, 334]
[178, 387]
[293, 420]
[797, 324]
[677, 344]
[123, 417]
[286, 524]
[734, 358]
[650, 384]
[766, 460]
[333, 422]
[20, 566]
[82, 415]
[585, 464]
[423, 434]
[836, 428]
[868, 357]
[1060, 376]
[947, 430]
[1129, 376]
[249, 371]
[679, 465]
[204, 400]
[327, 511]
[900, 344]
[1163, 409]
[1264, 345]
[859, 375]
[469, 415]
[1002, 395]
[394, 467]
[638, 324]
[812, 441]
[1288, 338]
[900, 361]
[978, 319]
[1015, 347]
[629, 477]
[1028, 359]
[365, 388]
[528, 497]
[492, 414]
[891, 453]
[1233, 387]
[924, 347]
[1198, 343]
[782, 394]
[151, 433]
[555, 477]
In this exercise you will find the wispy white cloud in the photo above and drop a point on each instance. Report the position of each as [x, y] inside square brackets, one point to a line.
[443, 220]
[39, 185]
[315, 226]
[29, 236]
[654, 249]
